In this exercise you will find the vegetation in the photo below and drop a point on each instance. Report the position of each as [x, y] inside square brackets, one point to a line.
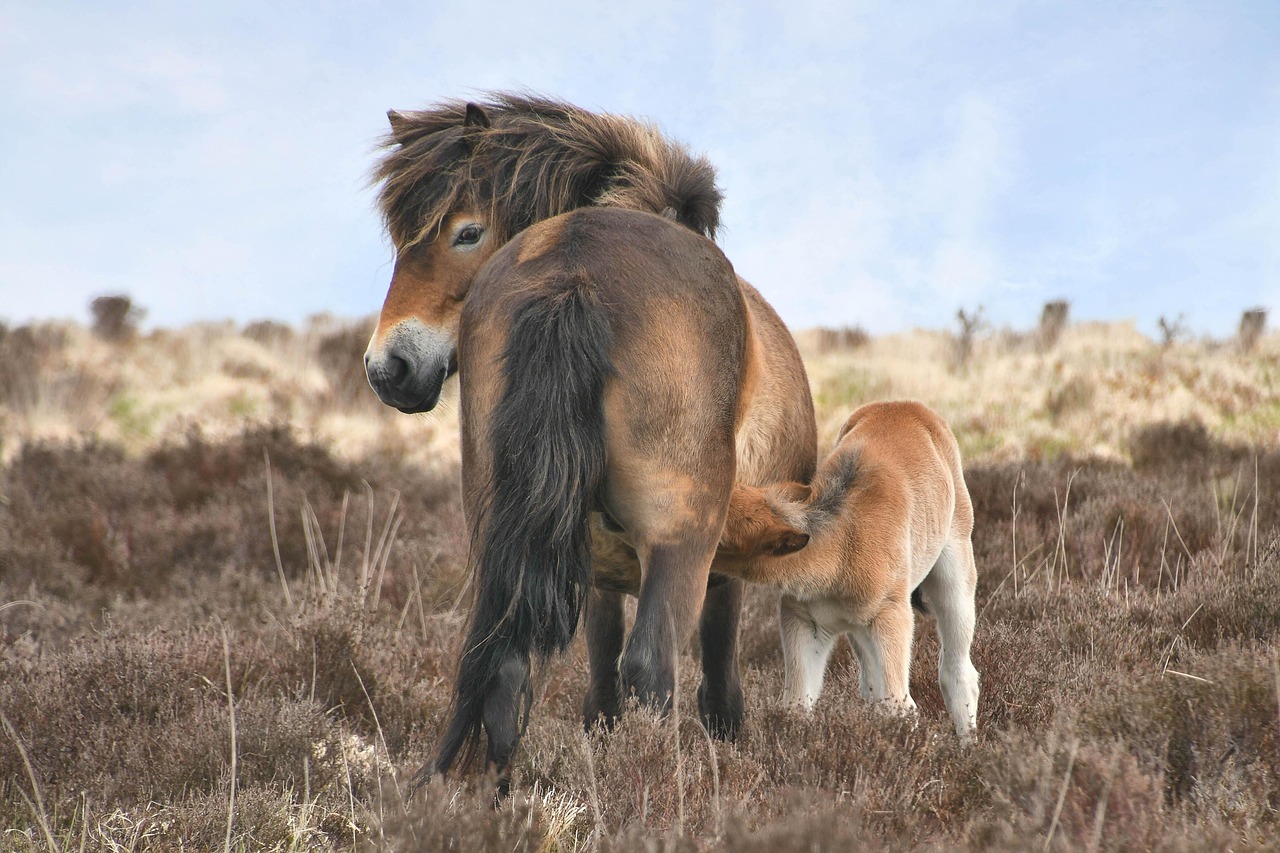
[245, 633]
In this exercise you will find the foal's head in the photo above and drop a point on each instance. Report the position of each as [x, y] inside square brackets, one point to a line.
[459, 181]
[765, 522]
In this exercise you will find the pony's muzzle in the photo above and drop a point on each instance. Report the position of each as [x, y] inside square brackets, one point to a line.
[409, 366]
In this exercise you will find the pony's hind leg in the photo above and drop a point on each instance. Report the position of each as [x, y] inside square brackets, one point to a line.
[671, 595]
[806, 646]
[606, 630]
[948, 590]
[720, 694]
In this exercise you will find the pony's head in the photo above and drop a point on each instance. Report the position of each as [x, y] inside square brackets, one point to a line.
[764, 522]
[458, 181]
[442, 238]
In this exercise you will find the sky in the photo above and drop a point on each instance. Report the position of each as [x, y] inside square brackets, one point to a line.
[884, 164]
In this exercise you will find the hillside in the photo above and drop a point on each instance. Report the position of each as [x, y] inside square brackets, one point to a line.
[233, 585]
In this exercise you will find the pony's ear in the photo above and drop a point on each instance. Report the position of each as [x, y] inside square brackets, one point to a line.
[400, 124]
[476, 116]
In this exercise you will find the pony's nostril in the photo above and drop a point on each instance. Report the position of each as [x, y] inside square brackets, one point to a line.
[397, 368]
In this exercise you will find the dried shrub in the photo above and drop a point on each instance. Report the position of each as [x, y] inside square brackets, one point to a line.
[269, 332]
[115, 318]
[970, 325]
[1171, 331]
[1252, 324]
[341, 355]
[1166, 444]
[1095, 674]
[845, 339]
[1074, 395]
[1053, 320]
[25, 355]
[77, 513]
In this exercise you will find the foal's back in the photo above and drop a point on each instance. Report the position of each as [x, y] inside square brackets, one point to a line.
[909, 475]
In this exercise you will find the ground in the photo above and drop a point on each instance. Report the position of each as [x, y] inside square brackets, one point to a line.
[232, 588]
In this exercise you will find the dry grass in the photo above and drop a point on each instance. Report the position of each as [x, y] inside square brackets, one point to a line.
[61, 381]
[1099, 383]
[1129, 599]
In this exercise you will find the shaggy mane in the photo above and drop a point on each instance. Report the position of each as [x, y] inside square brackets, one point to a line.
[539, 158]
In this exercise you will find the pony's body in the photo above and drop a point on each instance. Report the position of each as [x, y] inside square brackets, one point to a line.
[888, 514]
[457, 184]
[603, 358]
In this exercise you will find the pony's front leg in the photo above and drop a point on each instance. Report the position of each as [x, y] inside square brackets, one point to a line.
[671, 596]
[606, 630]
[720, 694]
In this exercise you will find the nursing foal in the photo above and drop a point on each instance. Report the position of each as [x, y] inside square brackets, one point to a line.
[887, 517]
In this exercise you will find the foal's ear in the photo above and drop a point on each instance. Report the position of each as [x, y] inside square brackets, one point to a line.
[784, 540]
[476, 116]
[400, 124]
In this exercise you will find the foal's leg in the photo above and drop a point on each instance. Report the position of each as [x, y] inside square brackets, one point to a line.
[870, 676]
[720, 694]
[606, 630]
[884, 655]
[671, 595]
[948, 591]
[806, 646]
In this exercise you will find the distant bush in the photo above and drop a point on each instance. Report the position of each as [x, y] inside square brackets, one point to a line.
[115, 318]
[341, 356]
[970, 324]
[844, 339]
[269, 332]
[1252, 324]
[1171, 331]
[1053, 320]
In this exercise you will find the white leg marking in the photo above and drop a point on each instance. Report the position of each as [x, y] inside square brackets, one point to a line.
[948, 592]
[806, 646]
[884, 657]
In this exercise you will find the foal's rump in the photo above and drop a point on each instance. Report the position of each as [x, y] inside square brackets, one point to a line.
[602, 354]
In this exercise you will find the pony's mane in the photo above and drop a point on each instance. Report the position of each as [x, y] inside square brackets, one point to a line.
[537, 158]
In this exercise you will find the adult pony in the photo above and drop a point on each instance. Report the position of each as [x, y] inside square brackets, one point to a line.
[457, 183]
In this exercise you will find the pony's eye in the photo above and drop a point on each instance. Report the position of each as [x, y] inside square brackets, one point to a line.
[469, 235]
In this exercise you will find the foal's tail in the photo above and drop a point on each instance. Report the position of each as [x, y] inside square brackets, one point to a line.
[532, 543]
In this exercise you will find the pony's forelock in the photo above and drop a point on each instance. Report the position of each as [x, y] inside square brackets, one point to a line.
[539, 157]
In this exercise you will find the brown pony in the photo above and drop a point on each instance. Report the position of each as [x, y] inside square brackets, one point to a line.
[662, 326]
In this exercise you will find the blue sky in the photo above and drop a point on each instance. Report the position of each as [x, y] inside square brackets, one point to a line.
[884, 163]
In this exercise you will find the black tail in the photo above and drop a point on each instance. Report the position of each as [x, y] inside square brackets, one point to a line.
[917, 601]
[532, 544]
